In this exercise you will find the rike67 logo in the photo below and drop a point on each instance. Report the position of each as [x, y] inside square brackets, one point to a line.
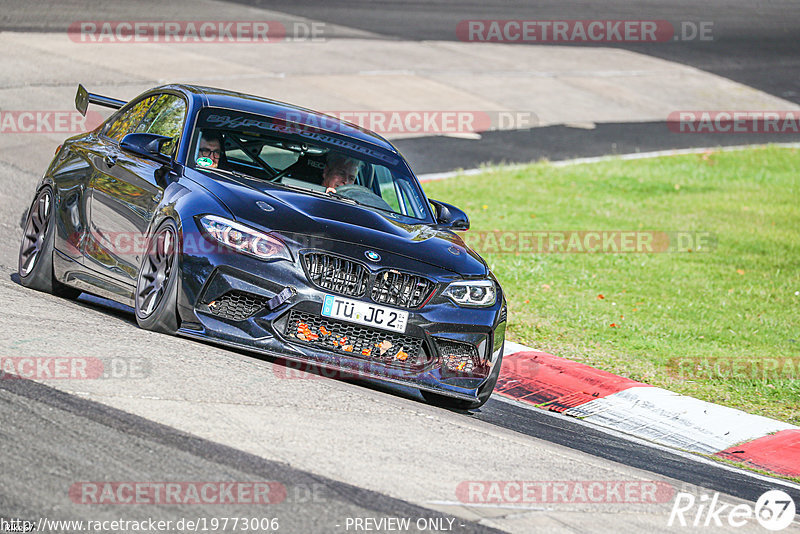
[774, 510]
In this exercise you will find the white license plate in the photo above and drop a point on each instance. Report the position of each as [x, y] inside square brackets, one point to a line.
[355, 311]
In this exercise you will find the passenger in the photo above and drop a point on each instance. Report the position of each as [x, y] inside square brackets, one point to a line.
[339, 170]
[211, 147]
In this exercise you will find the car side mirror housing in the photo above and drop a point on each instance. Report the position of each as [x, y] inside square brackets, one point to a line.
[450, 216]
[146, 145]
[82, 100]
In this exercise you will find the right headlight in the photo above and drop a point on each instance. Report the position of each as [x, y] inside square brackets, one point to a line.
[244, 239]
[472, 293]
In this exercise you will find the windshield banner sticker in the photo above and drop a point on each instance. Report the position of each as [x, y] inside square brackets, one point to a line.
[234, 122]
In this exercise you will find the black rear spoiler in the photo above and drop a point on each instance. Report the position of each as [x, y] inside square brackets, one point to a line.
[83, 98]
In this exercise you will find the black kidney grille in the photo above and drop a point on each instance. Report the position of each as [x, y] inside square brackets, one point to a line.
[336, 274]
[350, 278]
[237, 305]
[400, 289]
[354, 340]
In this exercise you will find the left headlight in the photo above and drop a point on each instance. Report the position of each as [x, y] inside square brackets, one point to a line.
[476, 293]
[244, 239]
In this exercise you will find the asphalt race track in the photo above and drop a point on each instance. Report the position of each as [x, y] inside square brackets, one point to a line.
[98, 441]
[180, 411]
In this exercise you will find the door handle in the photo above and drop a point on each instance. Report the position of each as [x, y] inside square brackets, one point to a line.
[110, 160]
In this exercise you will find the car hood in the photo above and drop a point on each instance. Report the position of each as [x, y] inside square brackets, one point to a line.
[296, 213]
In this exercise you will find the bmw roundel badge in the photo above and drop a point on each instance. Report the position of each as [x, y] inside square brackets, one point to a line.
[372, 255]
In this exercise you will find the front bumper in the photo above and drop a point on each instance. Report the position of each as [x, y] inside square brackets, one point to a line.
[223, 299]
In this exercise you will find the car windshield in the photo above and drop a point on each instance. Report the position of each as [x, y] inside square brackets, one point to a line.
[307, 159]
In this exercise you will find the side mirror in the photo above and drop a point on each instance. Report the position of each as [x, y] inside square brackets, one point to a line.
[82, 100]
[450, 216]
[146, 145]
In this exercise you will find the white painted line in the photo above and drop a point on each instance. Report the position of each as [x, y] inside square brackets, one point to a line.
[579, 161]
[489, 505]
[645, 443]
[512, 348]
[671, 152]
[676, 420]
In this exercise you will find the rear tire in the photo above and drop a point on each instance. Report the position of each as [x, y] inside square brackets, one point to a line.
[484, 393]
[35, 261]
[156, 296]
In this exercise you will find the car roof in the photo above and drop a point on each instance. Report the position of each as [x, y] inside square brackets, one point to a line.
[222, 98]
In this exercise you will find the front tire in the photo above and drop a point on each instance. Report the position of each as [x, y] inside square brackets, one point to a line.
[156, 295]
[484, 393]
[35, 262]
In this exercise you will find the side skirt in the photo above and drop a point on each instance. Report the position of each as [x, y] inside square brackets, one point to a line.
[72, 273]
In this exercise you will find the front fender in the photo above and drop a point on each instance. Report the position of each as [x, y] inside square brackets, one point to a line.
[183, 200]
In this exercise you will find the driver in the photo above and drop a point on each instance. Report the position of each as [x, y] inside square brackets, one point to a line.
[210, 147]
[339, 170]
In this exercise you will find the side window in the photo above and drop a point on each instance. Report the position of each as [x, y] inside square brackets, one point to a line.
[129, 119]
[388, 188]
[412, 201]
[166, 117]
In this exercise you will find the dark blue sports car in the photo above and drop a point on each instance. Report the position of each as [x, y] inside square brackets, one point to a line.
[264, 226]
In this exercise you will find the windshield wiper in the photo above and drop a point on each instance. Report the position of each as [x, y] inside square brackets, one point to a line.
[342, 197]
[321, 193]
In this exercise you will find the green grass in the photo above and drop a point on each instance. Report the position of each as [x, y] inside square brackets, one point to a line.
[739, 301]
